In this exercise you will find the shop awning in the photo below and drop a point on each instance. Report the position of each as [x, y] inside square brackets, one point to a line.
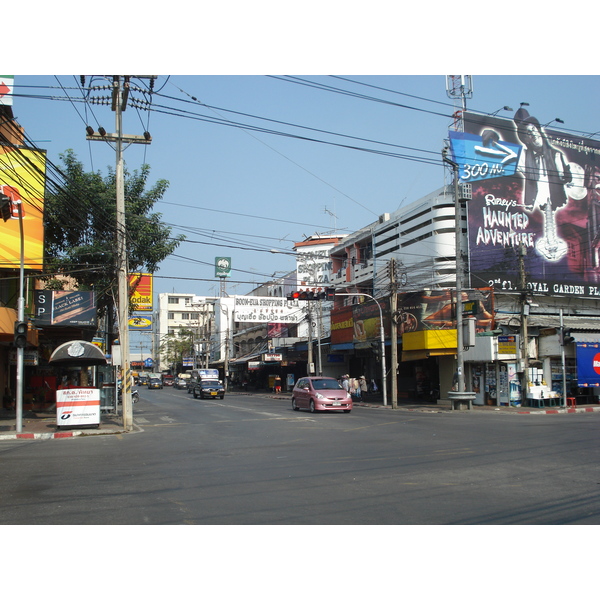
[8, 318]
[244, 359]
[78, 352]
[580, 322]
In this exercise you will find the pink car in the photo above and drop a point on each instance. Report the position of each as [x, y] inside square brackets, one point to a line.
[320, 393]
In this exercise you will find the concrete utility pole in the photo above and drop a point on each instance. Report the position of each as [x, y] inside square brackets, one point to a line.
[460, 367]
[525, 307]
[394, 332]
[120, 95]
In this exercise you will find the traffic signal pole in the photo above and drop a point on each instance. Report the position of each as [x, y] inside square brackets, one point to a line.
[20, 319]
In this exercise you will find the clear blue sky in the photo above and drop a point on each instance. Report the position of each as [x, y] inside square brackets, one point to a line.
[239, 193]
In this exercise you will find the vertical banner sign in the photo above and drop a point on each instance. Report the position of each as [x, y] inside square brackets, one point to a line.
[222, 266]
[77, 406]
[140, 290]
[23, 182]
[535, 191]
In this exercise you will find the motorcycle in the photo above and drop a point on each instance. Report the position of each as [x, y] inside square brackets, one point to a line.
[135, 395]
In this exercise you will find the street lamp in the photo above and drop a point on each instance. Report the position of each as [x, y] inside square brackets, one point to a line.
[382, 340]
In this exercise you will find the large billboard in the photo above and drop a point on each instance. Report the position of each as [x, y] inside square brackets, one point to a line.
[22, 181]
[436, 309]
[360, 323]
[535, 207]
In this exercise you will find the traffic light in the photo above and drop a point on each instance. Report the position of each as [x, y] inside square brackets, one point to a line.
[326, 294]
[5, 207]
[567, 337]
[21, 334]
[376, 348]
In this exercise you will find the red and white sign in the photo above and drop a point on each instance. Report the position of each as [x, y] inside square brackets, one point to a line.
[77, 406]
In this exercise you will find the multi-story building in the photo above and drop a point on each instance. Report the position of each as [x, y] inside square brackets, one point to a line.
[185, 312]
[529, 271]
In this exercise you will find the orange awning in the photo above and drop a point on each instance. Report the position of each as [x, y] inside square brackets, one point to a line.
[8, 318]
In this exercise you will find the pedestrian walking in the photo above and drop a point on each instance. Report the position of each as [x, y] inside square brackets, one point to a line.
[356, 388]
[362, 382]
[346, 382]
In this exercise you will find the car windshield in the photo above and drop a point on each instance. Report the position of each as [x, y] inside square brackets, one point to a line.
[209, 383]
[326, 384]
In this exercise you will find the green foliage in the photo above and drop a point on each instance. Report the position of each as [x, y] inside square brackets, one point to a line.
[175, 346]
[80, 228]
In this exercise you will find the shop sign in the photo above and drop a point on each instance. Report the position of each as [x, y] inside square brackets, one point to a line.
[588, 364]
[253, 365]
[507, 344]
[272, 357]
[77, 406]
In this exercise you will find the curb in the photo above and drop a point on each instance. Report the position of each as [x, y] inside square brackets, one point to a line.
[54, 436]
[559, 411]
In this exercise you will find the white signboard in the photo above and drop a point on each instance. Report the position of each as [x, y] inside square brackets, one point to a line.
[267, 309]
[77, 406]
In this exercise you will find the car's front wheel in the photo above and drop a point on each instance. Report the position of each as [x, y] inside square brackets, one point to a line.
[312, 406]
[294, 405]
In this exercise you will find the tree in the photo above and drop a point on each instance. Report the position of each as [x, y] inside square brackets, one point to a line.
[80, 228]
[175, 346]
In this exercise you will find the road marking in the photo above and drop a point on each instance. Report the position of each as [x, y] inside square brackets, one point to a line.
[379, 425]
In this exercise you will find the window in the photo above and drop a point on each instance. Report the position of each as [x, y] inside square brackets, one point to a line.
[170, 316]
[173, 300]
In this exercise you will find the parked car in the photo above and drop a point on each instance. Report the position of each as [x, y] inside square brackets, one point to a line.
[154, 383]
[209, 388]
[320, 393]
[168, 380]
[180, 383]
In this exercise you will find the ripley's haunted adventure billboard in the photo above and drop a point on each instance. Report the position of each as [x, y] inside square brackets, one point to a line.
[535, 205]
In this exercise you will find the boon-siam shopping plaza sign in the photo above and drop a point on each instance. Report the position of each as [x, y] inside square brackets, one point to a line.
[535, 205]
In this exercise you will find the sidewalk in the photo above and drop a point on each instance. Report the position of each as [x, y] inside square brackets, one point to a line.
[42, 426]
[376, 401]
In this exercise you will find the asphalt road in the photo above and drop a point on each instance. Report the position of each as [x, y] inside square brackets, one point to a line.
[253, 460]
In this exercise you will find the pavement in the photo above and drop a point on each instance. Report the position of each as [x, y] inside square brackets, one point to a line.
[42, 425]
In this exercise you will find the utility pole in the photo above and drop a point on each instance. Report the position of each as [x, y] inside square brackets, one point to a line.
[394, 333]
[459, 276]
[524, 326]
[310, 366]
[120, 94]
